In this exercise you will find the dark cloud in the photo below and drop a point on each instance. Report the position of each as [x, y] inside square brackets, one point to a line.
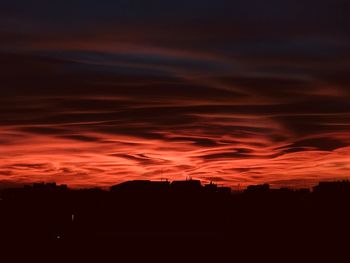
[237, 153]
[204, 142]
[83, 138]
[141, 159]
[324, 144]
[6, 172]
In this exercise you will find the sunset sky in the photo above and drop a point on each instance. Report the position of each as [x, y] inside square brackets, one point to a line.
[237, 92]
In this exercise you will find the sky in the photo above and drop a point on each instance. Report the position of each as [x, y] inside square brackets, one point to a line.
[238, 92]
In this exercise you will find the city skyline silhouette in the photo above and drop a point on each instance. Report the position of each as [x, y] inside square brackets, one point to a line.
[135, 216]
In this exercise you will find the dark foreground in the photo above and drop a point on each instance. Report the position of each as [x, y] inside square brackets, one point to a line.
[142, 221]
